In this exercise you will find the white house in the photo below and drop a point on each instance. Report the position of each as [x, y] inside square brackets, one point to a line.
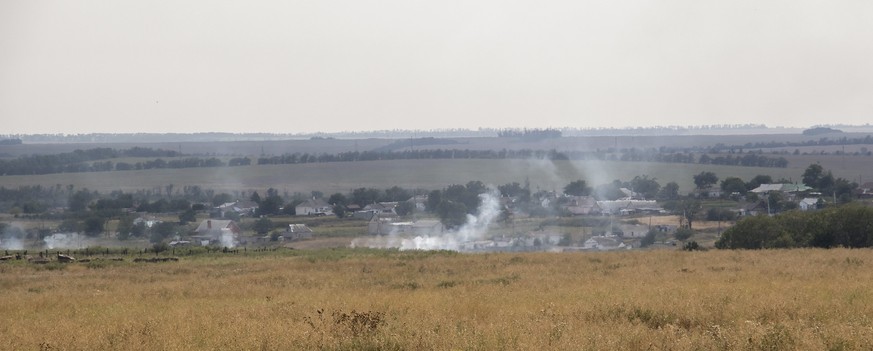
[313, 207]
[809, 203]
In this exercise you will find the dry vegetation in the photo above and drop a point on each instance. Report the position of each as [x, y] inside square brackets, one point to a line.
[364, 299]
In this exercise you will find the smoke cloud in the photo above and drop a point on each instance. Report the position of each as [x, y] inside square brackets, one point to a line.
[475, 229]
[11, 244]
[67, 241]
[227, 238]
[11, 237]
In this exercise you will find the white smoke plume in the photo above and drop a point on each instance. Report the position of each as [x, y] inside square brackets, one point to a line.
[476, 228]
[227, 238]
[11, 237]
[11, 243]
[67, 241]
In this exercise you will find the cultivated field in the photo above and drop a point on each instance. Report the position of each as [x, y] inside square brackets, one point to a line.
[365, 299]
[410, 174]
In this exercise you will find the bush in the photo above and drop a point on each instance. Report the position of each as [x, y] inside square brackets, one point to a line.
[649, 239]
[683, 234]
[692, 246]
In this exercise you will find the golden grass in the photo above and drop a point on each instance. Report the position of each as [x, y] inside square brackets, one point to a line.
[365, 299]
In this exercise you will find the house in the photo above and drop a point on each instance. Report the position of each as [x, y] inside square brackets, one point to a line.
[626, 207]
[784, 188]
[243, 208]
[217, 231]
[382, 207]
[419, 201]
[581, 205]
[297, 232]
[754, 209]
[710, 192]
[807, 204]
[865, 190]
[313, 207]
[148, 221]
[387, 225]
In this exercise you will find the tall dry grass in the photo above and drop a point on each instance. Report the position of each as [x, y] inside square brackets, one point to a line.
[759, 300]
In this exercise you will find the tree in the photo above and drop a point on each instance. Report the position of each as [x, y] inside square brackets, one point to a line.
[93, 226]
[404, 208]
[720, 214]
[397, 193]
[812, 175]
[649, 239]
[255, 197]
[338, 199]
[758, 180]
[688, 210]
[187, 217]
[452, 214]
[263, 226]
[577, 188]
[732, 185]
[434, 198]
[125, 225]
[161, 231]
[705, 179]
[137, 230]
[648, 187]
[511, 190]
[364, 196]
[79, 200]
[220, 199]
[755, 233]
[683, 234]
[339, 211]
[270, 205]
[669, 191]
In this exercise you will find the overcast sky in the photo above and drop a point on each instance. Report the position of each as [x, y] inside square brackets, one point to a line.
[343, 65]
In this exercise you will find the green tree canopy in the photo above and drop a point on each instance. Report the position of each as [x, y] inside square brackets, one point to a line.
[705, 179]
[577, 188]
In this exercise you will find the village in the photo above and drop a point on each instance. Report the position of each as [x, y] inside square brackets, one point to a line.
[584, 222]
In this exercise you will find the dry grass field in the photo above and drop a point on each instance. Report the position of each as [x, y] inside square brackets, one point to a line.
[366, 299]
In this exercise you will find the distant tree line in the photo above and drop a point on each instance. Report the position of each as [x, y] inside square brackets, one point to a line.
[76, 161]
[631, 155]
[10, 142]
[532, 134]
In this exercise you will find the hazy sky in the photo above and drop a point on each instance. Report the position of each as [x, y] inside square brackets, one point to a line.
[333, 65]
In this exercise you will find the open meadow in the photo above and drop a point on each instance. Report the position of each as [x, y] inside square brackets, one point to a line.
[370, 299]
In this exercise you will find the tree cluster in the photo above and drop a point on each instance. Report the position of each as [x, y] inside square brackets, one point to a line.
[76, 161]
[843, 226]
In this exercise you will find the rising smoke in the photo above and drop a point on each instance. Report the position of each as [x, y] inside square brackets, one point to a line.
[67, 241]
[227, 238]
[475, 229]
[11, 237]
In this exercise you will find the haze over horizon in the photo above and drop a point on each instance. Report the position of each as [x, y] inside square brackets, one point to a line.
[341, 65]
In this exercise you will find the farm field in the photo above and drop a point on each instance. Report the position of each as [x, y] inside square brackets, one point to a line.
[371, 299]
[411, 174]
[577, 143]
